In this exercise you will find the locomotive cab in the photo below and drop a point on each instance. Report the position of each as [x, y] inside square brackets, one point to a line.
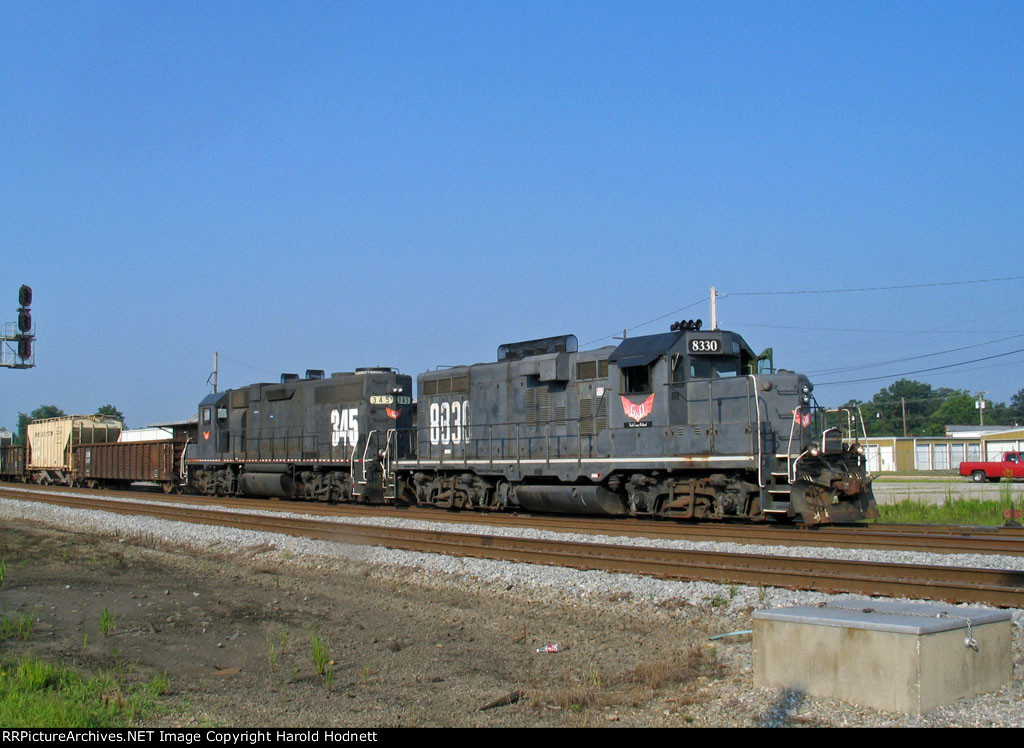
[213, 437]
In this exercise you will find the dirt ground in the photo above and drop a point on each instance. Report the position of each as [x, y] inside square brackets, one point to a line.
[233, 632]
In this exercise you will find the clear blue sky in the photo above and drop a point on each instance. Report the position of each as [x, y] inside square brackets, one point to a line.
[339, 184]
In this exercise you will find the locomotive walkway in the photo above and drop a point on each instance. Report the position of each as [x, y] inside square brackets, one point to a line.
[992, 586]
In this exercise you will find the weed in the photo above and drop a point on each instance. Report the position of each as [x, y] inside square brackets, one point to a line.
[19, 627]
[274, 652]
[159, 686]
[952, 511]
[3, 571]
[272, 655]
[106, 621]
[85, 639]
[319, 651]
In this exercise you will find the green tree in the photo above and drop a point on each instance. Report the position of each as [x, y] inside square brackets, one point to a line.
[1001, 414]
[903, 407]
[43, 411]
[110, 410]
[957, 409]
[1016, 406]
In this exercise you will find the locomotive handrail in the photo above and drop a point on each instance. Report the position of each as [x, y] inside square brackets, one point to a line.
[555, 445]
[790, 465]
[182, 470]
[760, 436]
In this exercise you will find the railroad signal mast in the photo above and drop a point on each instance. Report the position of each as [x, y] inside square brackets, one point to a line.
[17, 349]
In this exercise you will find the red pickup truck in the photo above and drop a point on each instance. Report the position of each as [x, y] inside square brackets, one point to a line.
[1011, 466]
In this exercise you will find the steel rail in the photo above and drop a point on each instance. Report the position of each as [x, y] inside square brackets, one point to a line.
[943, 539]
[992, 586]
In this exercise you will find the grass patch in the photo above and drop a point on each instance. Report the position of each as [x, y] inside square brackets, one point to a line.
[949, 512]
[36, 694]
[106, 622]
[320, 657]
[18, 627]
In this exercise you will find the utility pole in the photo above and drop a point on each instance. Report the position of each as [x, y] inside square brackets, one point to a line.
[980, 405]
[904, 401]
[714, 308]
[215, 354]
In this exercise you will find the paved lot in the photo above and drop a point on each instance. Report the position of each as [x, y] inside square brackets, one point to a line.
[937, 491]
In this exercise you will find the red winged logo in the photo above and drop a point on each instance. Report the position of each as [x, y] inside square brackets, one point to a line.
[206, 434]
[393, 412]
[637, 411]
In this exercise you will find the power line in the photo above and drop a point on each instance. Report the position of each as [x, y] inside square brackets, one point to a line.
[247, 366]
[870, 288]
[912, 358]
[824, 291]
[942, 329]
[642, 324]
[920, 371]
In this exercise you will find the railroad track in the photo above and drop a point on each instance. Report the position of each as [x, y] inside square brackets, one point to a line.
[944, 539]
[992, 586]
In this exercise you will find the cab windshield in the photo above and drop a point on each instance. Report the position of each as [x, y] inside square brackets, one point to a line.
[708, 367]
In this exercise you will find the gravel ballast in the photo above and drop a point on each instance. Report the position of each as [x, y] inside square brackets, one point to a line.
[726, 699]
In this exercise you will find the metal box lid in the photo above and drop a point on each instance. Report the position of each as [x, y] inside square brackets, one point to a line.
[886, 615]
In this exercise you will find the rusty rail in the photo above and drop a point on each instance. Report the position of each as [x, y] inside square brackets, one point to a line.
[992, 586]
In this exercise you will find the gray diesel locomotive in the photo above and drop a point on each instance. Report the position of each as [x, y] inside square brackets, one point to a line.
[327, 439]
[667, 425]
[677, 425]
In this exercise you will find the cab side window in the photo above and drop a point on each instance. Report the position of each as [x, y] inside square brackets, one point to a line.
[636, 379]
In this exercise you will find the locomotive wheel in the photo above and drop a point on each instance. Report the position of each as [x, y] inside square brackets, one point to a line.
[167, 487]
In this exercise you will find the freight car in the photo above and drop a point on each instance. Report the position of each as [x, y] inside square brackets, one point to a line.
[676, 425]
[82, 451]
[50, 454]
[12, 462]
[326, 439]
[119, 464]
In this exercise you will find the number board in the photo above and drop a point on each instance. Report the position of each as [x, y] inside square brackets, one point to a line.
[705, 345]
